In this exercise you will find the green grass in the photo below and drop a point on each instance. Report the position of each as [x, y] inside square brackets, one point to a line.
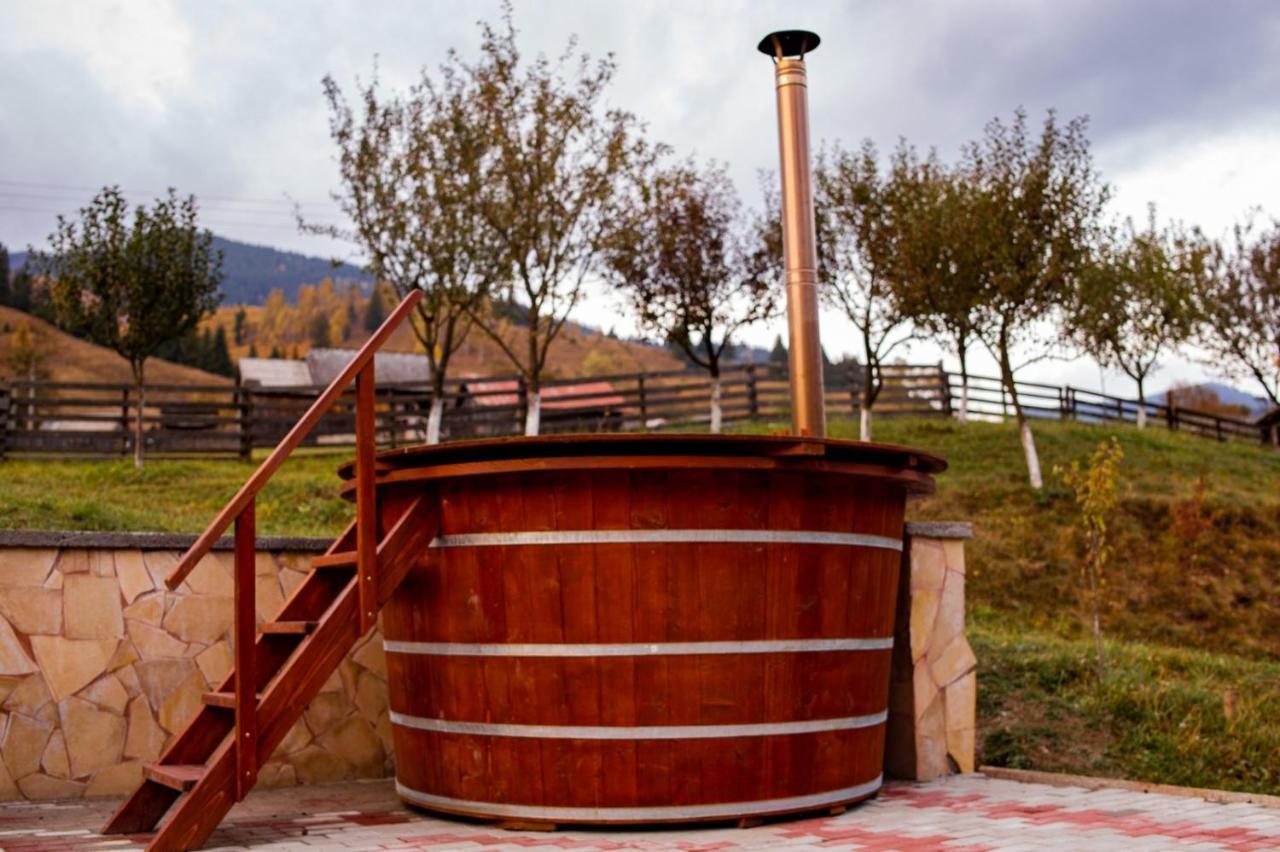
[169, 496]
[1159, 715]
[1192, 598]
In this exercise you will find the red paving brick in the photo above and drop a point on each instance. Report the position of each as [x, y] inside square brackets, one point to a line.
[969, 813]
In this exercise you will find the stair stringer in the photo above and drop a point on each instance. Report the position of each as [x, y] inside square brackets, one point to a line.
[193, 816]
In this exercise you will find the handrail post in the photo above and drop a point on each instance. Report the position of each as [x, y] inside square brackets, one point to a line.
[246, 635]
[366, 497]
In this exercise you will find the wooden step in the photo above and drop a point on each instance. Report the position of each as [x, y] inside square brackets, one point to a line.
[222, 699]
[176, 776]
[287, 628]
[342, 559]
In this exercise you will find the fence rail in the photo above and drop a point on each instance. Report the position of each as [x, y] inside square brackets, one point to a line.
[96, 419]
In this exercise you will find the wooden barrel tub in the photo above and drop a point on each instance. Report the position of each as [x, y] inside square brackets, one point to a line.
[646, 629]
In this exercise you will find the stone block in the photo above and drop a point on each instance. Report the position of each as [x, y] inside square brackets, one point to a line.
[32, 609]
[95, 738]
[200, 618]
[54, 760]
[215, 662]
[129, 678]
[954, 550]
[101, 564]
[961, 699]
[118, 780]
[92, 606]
[213, 575]
[40, 787]
[71, 664]
[326, 710]
[125, 655]
[73, 561]
[931, 743]
[26, 566]
[267, 598]
[277, 773]
[955, 660]
[371, 696]
[314, 765]
[298, 738]
[928, 565]
[8, 789]
[371, 656]
[144, 739]
[182, 704]
[24, 745]
[153, 642]
[54, 580]
[29, 696]
[148, 609]
[159, 678]
[108, 693]
[132, 573]
[290, 580]
[264, 565]
[355, 742]
[13, 656]
[924, 689]
[924, 612]
[949, 622]
[960, 746]
[159, 563]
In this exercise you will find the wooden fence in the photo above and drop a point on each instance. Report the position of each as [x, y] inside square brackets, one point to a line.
[93, 419]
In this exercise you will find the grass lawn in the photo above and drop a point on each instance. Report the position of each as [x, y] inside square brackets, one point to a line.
[1192, 597]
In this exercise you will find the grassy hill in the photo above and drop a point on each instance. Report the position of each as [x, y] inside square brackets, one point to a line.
[70, 359]
[1192, 599]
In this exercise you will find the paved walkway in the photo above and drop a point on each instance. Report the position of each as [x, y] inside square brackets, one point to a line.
[967, 813]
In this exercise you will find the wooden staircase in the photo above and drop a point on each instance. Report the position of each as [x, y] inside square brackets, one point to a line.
[282, 664]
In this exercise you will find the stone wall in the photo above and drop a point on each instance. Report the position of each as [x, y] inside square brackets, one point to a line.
[100, 666]
[933, 690]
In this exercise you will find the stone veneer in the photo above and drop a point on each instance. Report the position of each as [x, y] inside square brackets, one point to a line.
[100, 666]
[933, 689]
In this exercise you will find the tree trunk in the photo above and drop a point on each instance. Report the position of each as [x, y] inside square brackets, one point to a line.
[1024, 427]
[434, 418]
[868, 400]
[963, 352]
[1142, 406]
[533, 410]
[716, 413]
[138, 376]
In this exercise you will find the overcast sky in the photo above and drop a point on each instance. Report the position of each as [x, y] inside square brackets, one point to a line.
[223, 99]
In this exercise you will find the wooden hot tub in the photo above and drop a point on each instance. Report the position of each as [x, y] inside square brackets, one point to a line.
[646, 629]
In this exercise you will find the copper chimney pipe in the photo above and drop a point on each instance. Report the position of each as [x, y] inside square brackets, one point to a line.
[799, 245]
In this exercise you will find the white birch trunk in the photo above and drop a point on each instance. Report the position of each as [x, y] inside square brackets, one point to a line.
[864, 424]
[1142, 414]
[533, 414]
[717, 416]
[964, 399]
[1033, 460]
[434, 419]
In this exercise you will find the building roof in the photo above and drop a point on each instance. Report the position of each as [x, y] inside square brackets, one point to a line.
[321, 366]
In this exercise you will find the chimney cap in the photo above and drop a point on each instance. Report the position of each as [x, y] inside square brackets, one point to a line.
[790, 42]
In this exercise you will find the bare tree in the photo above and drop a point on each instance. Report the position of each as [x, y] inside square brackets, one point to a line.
[1038, 204]
[856, 230]
[411, 171]
[133, 287]
[1240, 302]
[1136, 301]
[553, 173]
[692, 265]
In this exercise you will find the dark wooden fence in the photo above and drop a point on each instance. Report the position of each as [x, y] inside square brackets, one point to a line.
[87, 419]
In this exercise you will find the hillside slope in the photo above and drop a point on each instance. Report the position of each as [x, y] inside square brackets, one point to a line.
[70, 359]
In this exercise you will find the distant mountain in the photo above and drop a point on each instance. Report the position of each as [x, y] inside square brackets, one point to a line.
[251, 272]
[1226, 395]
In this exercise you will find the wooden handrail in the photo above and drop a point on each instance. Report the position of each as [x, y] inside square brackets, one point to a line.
[289, 443]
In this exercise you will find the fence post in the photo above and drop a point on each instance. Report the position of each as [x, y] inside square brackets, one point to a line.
[4, 420]
[1171, 412]
[245, 400]
[944, 391]
[644, 402]
[1063, 392]
[1217, 426]
[124, 422]
[753, 402]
